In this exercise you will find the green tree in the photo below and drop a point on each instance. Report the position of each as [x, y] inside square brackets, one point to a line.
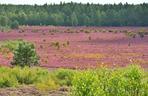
[4, 21]
[22, 17]
[85, 20]
[15, 25]
[74, 14]
[56, 19]
[25, 55]
[74, 19]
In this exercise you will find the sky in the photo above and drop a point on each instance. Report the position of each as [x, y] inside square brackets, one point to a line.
[41, 2]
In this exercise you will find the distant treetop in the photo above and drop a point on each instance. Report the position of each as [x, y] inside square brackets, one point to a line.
[75, 14]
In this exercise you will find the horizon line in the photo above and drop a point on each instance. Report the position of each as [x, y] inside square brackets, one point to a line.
[76, 3]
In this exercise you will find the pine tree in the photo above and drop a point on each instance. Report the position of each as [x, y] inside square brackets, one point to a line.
[25, 55]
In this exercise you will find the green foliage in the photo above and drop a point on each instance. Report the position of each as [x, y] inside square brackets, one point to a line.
[128, 81]
[15, 25]
[24, 75]
[73, 14]
[6, 79]
[47, 84]
[25, 55]
[39, 77]
[4, 20]
[74, 19]
[86, 84]
[11, 45]
[64, 76]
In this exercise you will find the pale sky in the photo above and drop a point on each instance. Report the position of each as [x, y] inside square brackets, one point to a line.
[40, 2]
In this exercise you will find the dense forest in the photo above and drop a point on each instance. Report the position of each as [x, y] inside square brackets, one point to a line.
[75, 14]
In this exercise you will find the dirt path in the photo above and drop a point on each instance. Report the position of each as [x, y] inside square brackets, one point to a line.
[30, 91]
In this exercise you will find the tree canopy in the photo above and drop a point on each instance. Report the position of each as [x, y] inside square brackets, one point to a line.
[75, 14]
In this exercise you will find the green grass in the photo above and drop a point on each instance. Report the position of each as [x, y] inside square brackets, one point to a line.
[13, 77]
[63, 77]
[39, 77]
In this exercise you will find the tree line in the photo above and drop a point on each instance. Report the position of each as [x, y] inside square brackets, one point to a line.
[75, 14]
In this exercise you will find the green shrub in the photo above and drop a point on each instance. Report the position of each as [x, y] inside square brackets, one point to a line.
[11, 45]
[103, 75]
[15, 25]
[128, 81]
[63, 76]
[25, 55]
[45, 81]
[47, 84]
[12, 77]
[6, 80]
[86, 84]
[24, 75]
[134, 76]
[4, 69]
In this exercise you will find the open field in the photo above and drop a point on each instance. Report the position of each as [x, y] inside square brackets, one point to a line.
[73, 48]
[119, 48]
[82, 47]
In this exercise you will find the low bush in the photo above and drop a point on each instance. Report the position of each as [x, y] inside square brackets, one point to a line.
[128, 81]
[86, 84]
[14, 25]
[13, 77]
[25, 75]
[11, 45]
[6, 79]
[63, 76]
[47, 84]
